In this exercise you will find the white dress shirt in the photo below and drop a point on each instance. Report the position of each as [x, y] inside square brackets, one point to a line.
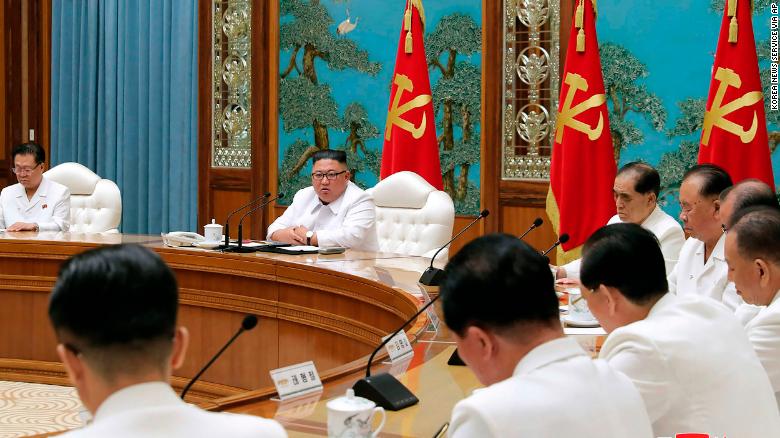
[349, 221]
[49, 206]
[668, 231]
[556, 391]
[764, 333]
[154, 410]
[693, 275]
[696, 370]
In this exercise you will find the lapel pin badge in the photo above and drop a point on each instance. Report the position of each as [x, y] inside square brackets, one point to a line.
[44, 206]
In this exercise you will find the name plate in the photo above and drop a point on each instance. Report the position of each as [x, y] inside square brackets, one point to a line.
[399, 347]
[296, 380]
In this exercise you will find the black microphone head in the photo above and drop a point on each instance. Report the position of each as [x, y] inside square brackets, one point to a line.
[267, 194]
[281, 195]
[249, 322]
[484, 212]
[538, 222]
[564, 238]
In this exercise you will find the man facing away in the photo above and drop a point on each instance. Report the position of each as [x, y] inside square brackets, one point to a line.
[753, 257]
[498, 300]
[333, 211]
[688, 355]
[34, 203]
[114, 313]
[636, 189]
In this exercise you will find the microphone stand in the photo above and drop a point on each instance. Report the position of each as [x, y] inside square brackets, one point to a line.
[227, 220]
[433, 276]
[240, 248]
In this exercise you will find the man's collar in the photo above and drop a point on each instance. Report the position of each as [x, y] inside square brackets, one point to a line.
[547, 353]
[142, 395]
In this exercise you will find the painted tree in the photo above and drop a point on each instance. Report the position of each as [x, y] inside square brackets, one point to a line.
[456, 99]
[622, 71]
[359, 157]
[303, 101]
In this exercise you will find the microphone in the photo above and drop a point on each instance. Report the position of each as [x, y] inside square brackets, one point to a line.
[240, 247]
[537, 223]
[433, 276]
[227, 220]
[563, 239]
[384, 389]
[249, 322]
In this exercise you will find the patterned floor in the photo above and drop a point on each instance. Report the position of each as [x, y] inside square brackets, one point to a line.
[31, 409]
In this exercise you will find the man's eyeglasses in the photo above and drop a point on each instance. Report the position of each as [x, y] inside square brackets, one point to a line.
[330, 175]
[24, 170]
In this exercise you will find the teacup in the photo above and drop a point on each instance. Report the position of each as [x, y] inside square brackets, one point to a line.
[351, 417]
[212, 232]
[578, 306]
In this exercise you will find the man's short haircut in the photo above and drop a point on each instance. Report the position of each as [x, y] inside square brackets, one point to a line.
[714, 179]
[749, 193]
[498, 282]
[758, 233]
[329, 154]
[627, 257]
[648, 180]
[29, 148]
[117, 305]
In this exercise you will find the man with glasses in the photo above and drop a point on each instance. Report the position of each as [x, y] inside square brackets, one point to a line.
[333, 211]
[35, 203]
[702, 268]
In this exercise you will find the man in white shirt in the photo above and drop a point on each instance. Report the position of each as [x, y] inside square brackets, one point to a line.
[636, 190]
[333, 211]
[34, 203]
[114, 314]
[687, 355]
[702, 268]
[753, 257]
[498, 300]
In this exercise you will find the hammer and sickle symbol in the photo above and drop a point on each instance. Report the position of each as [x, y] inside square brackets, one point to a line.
[567, 115]
[715, 116]
[394, 115]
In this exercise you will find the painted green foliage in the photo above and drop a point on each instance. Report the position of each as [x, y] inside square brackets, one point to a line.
[306, 103]
[456, 99]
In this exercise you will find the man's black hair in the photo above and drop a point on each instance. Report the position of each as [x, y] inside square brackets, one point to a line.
[749, 193]
[498, 281]
[627, 257]
[714, 179]
[29, 148]
[758, 233]
[648, 180]
[329, 154]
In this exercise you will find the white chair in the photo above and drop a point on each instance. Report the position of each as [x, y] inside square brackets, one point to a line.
[95, 203]
[412, 217]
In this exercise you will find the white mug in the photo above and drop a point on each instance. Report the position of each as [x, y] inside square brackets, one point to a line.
[212, 232]
[578, 306]
[351, 417]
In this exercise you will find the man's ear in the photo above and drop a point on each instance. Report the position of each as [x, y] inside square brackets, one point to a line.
[764, 272]
[481, 341]
[610, 295]
[181, 340]
[74, 365]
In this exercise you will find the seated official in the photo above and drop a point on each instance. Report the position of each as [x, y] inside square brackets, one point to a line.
[687, 355]
[34, 203]
[498, 300]
[636, 190]
[332, 212]
[702, 268]
[114, 313]
[753, 257]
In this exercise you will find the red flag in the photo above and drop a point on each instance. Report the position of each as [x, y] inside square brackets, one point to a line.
[583, 167]
[734, 132]
[410, 130]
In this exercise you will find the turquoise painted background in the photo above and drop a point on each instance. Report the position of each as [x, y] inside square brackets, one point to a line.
[352, 90]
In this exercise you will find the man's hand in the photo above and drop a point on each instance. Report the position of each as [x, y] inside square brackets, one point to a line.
[290, 235]
[23, 226]
[301, 231]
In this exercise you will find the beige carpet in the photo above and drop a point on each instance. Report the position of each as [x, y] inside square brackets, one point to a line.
[32, 409]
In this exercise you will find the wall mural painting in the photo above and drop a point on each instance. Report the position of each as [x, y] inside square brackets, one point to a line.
[336, 61]
[657, 58]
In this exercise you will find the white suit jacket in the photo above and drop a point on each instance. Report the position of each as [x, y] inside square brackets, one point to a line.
[556, 391]
[154, 410]
[693, 276]
[668, 231]
[764, 333]
[49, 206]
[349, 221]
[696, 370]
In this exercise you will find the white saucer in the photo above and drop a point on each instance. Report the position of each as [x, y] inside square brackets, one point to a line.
[577, 323]
[206, 244]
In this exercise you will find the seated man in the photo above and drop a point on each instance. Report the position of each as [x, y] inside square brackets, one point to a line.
[753, 257]
[702, 266]
[687, 355]
[332, 212]
[636, 190]
[35, 203]
[114, 313]
[498, 300]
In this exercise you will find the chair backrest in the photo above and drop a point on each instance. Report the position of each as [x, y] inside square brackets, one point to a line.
[412, 217]
[95, 203]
